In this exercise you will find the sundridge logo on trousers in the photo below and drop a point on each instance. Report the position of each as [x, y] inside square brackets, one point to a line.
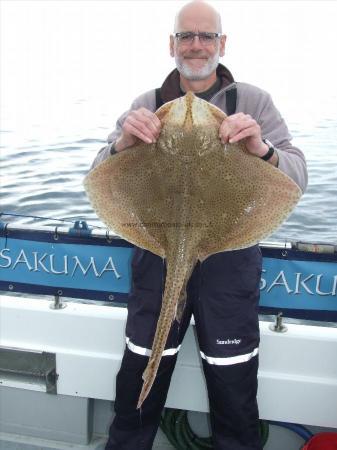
[228, 341]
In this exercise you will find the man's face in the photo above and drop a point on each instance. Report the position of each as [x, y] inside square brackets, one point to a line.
[197, 60]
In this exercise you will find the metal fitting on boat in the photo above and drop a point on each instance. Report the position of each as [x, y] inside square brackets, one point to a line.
[278, 326]
[57, 302]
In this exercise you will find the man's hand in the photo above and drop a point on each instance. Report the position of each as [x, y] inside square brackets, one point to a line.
[142, 124]
[242, 126]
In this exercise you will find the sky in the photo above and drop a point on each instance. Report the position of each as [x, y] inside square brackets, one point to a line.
[54, 53]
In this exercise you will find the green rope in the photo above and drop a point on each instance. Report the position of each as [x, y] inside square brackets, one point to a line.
[175, 425]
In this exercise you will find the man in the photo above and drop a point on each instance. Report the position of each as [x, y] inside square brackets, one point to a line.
[223, 291]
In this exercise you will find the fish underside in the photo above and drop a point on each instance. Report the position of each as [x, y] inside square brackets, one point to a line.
[186, 197]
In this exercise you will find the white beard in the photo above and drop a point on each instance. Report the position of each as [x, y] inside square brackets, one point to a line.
[197, 74]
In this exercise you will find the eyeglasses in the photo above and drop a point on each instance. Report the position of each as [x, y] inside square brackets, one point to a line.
[205, 38]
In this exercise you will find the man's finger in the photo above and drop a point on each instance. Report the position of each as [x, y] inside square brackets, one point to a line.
[224, 132]
[247, 132]
[131, 129]
[229, 130]
[153, 117]
[240, 126]
[142, 127]
[148, 122]
[150, 119]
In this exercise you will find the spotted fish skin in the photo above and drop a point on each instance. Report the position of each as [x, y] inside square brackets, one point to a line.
[180, 261]
[187, 197]
[176, 274]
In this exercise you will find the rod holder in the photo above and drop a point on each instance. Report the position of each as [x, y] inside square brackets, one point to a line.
[57, 302]
[278, 326]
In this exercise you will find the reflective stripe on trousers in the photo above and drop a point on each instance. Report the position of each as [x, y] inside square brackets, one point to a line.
[227, 361]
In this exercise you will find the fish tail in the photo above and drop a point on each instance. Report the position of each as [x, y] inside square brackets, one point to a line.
[149, 376]
[174, 283]
[150, 372]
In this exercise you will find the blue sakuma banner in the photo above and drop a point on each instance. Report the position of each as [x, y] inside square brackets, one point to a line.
[302, 285]
[299, 288]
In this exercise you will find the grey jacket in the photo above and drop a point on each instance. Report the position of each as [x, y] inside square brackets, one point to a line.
[250, 100]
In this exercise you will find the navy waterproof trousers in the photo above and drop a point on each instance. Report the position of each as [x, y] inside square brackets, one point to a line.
[222, 294]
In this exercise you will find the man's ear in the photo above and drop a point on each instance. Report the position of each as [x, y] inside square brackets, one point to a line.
[222, 44]
[171, 45]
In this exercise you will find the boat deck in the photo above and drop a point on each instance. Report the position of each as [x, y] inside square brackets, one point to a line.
[16, 442]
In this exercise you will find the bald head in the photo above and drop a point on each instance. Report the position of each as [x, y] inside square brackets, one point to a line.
[190, 15]
[197, 58]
